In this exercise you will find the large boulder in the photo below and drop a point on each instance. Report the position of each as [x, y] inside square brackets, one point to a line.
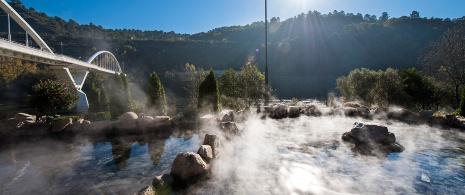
[229, 127]
[372, 139]
[146, 122]
[403, 115]
[437, 121]
[206, 152]
[79, 126]
[60, 125]
[312, 110]
[162, 184]
[99, 126]
[214, 142]
[23, 117]
[425, 115]
[188, 167]
[294, 111]
[369, 132]
[279, 112]
[127, 121]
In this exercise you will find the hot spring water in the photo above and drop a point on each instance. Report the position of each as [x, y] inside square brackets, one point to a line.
[289, 156]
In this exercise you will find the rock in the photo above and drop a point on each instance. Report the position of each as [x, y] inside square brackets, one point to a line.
[214, 142]
[227, 118]
[99, 126]
[403, 115]
[127, 121]
[451, 119]
[146, 122]
[205, 151]
[437, 121]
[425, 114]
[162, 184]
[369, 132]
[60, 125]
[160, 119]
[363, 112]
[279, 112]
[312, 110]
[188, 167]
[79, 126]
[459, 123]
[149, 190]
[352, 104]
[372, 139]
[229, 127]
[294, 111]
[23, 117]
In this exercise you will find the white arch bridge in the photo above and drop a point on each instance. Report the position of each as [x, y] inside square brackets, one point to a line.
[71, 70]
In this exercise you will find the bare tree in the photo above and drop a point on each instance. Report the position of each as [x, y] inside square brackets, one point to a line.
[445, 58]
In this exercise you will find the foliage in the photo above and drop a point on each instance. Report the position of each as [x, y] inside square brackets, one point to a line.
[156, 94]
[461, 108]
[229, 87]
[13, 68]
[251, 84]
[73, 118]
[98, 116]
[120, 99]
[96, 93]
[190, 79]
[418, 87]
[209, 95]
[410, 88]
[49, 97]
[445, 59]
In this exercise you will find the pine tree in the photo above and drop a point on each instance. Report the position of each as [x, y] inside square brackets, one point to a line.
[156, 94]
[209, 93]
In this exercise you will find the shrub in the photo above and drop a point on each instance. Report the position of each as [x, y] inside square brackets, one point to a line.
[49, 97]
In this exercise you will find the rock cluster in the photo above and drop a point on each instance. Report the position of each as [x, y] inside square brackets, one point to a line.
[372, 139]
[187, 168]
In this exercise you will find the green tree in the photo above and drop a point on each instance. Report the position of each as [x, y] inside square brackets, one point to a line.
[193, 77]
[209, 95]
[228, 85]
[252, 84]
[418, 87]
[156, 94]
[120, 99]
[49, 97]
[388, 88]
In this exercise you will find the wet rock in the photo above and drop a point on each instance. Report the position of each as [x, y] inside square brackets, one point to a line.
[23, 117]
[149, 190]
[229, 127]
[352, 104]
[425, 115]
[279, 112]
[312, 110]
[79, 126]
[403, 115]
[205, 151]
[363, 112]
[162, 184]
[188, 167]
[369, 132]
[146, 122]
[294, 111]
[437, 121]
[60, 125]
[372, 139]
[127, 121]
[99, 126]
[214, 142]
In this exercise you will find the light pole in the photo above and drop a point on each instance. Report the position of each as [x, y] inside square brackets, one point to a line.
[267, 97]
[61, 43]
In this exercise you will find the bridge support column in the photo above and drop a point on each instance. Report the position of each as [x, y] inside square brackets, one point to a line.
[77, 80]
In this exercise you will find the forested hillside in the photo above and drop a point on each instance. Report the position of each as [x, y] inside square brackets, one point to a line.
[306, 53]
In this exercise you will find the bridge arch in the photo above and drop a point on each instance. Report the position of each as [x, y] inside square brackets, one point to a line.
[105, 59]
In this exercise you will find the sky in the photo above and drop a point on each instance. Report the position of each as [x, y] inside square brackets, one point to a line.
[194, 16]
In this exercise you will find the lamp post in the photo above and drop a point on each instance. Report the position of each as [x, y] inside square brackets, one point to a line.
[267, 97]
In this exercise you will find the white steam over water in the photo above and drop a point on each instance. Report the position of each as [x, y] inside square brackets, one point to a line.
[307, 156]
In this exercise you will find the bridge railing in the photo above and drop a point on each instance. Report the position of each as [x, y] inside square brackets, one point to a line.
[57, 57]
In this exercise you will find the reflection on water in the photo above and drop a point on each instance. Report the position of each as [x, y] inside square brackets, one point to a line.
[289, 156]
[120, 165]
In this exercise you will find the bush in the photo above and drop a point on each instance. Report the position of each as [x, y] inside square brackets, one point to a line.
[98, 116]
[209, 94]
[49, 97]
